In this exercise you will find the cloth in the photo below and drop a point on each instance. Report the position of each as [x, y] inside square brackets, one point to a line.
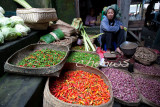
[108, 38]
[90, 18]
[115, 8]
[100, 52]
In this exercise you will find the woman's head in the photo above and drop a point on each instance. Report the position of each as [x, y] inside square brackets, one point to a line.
[110, 14]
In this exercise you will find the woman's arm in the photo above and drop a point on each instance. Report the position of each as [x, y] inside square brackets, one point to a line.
[87, 20]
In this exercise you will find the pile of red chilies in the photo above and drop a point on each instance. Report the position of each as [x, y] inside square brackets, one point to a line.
[80, 87]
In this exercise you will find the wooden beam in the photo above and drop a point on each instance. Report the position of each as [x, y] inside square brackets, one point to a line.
[77, 8]
[124, 6]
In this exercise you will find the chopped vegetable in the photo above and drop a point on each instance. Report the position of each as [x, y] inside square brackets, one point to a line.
[17, 20]
[42, 58]
[80, 87]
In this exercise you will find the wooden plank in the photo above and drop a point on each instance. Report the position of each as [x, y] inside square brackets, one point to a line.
[134, 36]
[77, 8]
[16, 90]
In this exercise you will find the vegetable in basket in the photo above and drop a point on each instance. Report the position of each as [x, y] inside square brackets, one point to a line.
[1, 15]
[5, 21]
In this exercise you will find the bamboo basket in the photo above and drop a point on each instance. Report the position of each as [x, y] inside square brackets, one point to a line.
[37, 15]
[11, 67]
[145, 100]
[145, 55]
[50, 101]
[125, 102]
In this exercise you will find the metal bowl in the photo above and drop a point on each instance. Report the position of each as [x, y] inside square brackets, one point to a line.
[128, 48]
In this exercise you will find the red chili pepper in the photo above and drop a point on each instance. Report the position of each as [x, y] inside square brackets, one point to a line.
[80, 87]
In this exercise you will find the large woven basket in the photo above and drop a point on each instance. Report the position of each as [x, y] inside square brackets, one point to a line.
[125, 102]
[145, 100]
[50, 101]
[10, 65]
[37, 15]
[145, 55]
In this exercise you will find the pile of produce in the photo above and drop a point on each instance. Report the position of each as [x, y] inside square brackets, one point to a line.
[11, 28]
[42, 58]
[80, 87]
[149, 88]
[123, 85]
[84, 58]
[80, 48]
[150, 70]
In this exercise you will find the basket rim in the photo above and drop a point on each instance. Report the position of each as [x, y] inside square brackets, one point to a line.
[35, 10]
[32, 70]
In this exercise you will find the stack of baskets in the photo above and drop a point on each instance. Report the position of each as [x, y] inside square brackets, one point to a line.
[37, 18]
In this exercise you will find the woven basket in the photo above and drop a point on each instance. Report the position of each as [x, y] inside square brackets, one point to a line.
[65, 42]
[145, 100]
[145, 55]
[136, 71]
[50, 101]
[125, 102]
[10, 65]
[38, 26]
[37, 15]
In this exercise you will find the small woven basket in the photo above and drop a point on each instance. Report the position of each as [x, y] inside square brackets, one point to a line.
[37, 15]
[145, 55]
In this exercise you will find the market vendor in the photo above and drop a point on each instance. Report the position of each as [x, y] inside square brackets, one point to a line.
[113, 31]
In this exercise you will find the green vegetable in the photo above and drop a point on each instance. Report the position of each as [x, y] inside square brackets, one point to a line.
[1, 15]
[1, 38]
[5, 21]
[17, 20]
[22, 29]
[2, 10]
[84, 58]
[23, 3]
[9, 33]
[42, 58]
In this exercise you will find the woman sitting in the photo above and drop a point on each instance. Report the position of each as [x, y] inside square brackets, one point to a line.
[112, 29]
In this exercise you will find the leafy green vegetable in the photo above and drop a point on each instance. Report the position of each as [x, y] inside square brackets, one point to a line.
[2, 10]
[9, 33]
[17, 20]
[22, 29]
[1, 15]
[5, 21]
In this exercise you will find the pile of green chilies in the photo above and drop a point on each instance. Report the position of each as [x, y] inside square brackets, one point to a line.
[42, 58]
[84, 58]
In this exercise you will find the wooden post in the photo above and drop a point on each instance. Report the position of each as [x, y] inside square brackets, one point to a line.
[77, 8]
[124, 6]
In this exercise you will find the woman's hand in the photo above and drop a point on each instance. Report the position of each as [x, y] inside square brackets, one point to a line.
[92, 22]
[121, 27]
